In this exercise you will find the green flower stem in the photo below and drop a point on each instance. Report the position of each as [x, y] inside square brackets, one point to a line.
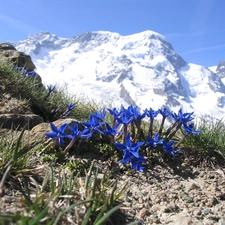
[175, 131]
[170, 128]
[56, 143]
[70, 145]
[140, 133]
[151, 127]
[132, 129]
[162, 125]
[184, 137]
[124, 133]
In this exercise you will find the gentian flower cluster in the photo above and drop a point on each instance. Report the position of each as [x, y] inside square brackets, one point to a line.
[128, 135]
[126, 127]
[24, 72]
[57, 111]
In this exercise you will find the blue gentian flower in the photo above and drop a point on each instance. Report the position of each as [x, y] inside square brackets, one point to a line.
[19, 68]
[124, 119]
[112, 131]
[136, 164]
[75, 135]
[57, 134]
[51, 88]
[30, 73]
[129, 149]
[79, 134]
[135, 113]
[114, 112]
[100, 116]
[69, 108]
[168, 148]
[189, 129]
[129, 111]
[85, 133]
[75, 131]
[93, 124]
[135, 116]
[151, 113]
[154, 142]
[182, 117]
[164, 112]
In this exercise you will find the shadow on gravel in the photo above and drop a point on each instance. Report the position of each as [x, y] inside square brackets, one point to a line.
[186, 163]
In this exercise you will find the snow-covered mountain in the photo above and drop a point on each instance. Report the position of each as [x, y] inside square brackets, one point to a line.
[141, 69]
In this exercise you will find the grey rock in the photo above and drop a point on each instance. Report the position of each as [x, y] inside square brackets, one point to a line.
[7, 46]
[179, 220]
[9, 54]
[18, 121]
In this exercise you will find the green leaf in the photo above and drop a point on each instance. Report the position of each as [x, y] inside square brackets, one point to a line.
[18, 143]
[87, 216]
[69, 208]
[36, 220]
[107, 215]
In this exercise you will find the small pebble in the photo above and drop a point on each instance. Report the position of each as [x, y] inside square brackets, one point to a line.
[142, 212]
[155, 208]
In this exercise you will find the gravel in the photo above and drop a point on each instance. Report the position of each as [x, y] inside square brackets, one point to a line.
[163, 195]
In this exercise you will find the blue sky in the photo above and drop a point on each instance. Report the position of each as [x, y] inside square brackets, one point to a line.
[195, 28]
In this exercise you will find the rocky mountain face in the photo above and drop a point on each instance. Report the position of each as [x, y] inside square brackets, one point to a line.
[220, 70]
[142, 68]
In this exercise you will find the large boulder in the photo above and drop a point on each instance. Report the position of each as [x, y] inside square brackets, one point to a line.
[9, 54]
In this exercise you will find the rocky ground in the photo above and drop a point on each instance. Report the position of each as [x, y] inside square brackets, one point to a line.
[166, 196]
[175, 194]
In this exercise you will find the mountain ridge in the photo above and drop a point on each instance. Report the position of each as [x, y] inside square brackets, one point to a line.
[142, 68]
